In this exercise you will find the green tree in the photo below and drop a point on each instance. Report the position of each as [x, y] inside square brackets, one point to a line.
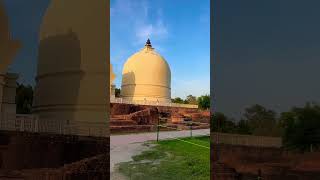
[261, 121]
[302, 127]
[191, 100]
[177, 100]
[243, 127]
[221, 123]
[117, 92]
[24, 99]
[204, 102]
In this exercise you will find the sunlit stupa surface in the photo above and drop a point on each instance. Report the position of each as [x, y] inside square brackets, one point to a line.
[146, 76]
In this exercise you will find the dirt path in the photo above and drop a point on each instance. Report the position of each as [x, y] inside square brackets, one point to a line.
[123, 147]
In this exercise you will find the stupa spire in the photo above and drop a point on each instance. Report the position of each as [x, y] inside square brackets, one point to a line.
[148, 43]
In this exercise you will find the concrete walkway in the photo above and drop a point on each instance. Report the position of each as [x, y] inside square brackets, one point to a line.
[123, 147]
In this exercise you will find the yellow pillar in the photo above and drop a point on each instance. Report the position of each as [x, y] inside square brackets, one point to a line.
[8, 49]
[73, 72]
[1, 95]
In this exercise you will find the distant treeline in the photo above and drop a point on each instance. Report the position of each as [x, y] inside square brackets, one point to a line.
[203, 101]
[299, 127]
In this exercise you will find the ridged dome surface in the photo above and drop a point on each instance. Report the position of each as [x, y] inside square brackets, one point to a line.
[146, 76]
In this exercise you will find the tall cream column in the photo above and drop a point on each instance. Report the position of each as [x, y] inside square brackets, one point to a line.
[8, 107]
[72, 91]
[1, 96]
[112, 86]
[8, 49]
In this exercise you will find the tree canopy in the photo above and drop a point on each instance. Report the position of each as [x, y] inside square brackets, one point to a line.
[204, 102]
[298, 127]
[261, 121]
[191, 100]
[24, 99]
[177, 100]
[117, 92]
[302, 127]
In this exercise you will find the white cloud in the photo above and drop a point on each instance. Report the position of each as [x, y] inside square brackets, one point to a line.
[137, 14]
[155, 31]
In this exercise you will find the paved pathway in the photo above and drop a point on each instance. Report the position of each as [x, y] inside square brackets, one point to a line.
[123, 147]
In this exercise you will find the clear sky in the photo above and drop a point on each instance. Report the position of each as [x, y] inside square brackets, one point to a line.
[179, 30]
[265, 52]
[24, 21]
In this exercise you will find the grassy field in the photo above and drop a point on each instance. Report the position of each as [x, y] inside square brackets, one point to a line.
[171, 159]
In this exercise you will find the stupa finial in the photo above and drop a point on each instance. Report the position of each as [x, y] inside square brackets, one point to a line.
[148, 43]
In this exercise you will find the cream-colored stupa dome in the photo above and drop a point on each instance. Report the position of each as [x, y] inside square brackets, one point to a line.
[146, 76]
[8, 47]
[73, 74]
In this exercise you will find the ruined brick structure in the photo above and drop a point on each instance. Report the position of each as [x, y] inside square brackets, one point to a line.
[47, 156]
[239, 162]
[137, 118]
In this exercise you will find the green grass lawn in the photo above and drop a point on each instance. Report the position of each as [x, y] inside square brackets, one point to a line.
[171, 159]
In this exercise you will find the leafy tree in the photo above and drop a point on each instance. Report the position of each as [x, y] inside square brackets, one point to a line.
[261, 120]
[24, 99]
[243, 127]
[117, 92]
[302, 127]
[221, 123]
[204, 102]
[191, 100]
[178, 100]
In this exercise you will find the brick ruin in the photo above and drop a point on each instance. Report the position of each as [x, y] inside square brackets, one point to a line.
[239, 162]
[49, 156]
[137, 118]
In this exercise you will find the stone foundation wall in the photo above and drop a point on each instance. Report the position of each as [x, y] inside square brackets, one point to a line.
[123, 109]
[246, 140]
[145, 117]
[7, 94]
[22, 150]
[96, 167]
[120, 109]
[236, 162]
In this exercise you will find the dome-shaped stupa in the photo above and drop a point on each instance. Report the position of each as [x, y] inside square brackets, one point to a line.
[72, 67]
[146, 76]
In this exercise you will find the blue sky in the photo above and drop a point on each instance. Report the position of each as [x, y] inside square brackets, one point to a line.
[179, 30]
[24, 22]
